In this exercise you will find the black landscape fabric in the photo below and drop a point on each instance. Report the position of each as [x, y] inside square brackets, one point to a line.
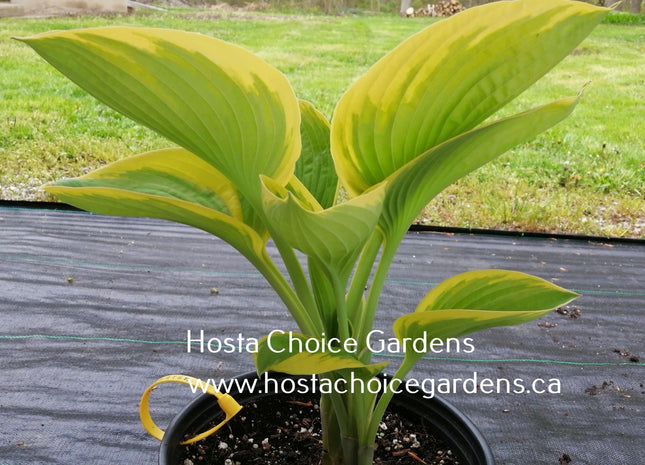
[94, 309]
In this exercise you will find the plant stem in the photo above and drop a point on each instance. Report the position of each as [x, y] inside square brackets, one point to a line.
[274, 277]
[341, 308]
[386, 397]
[367, 319]
[332, 447]
[301, 286]
[324, 294]
[334, 408]
[357, 453]
[361, 276]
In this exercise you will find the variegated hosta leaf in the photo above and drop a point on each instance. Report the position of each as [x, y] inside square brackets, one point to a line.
[300, 192]
[477, 300]
[334, 236]
[297, 354]
[447, 79]
[315, 167]
[495, 290]
[216, 99]
[172, 184]
[411, 188]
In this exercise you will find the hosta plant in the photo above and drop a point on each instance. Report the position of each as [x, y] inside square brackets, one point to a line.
[253, 164]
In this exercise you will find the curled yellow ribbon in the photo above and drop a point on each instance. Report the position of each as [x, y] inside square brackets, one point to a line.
[229, 406]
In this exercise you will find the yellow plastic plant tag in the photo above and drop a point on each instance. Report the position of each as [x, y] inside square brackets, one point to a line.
[229, 406]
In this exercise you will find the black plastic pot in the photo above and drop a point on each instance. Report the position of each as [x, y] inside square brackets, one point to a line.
[448, 422]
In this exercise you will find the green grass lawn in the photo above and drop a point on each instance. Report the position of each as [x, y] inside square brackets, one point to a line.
[587, 175]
